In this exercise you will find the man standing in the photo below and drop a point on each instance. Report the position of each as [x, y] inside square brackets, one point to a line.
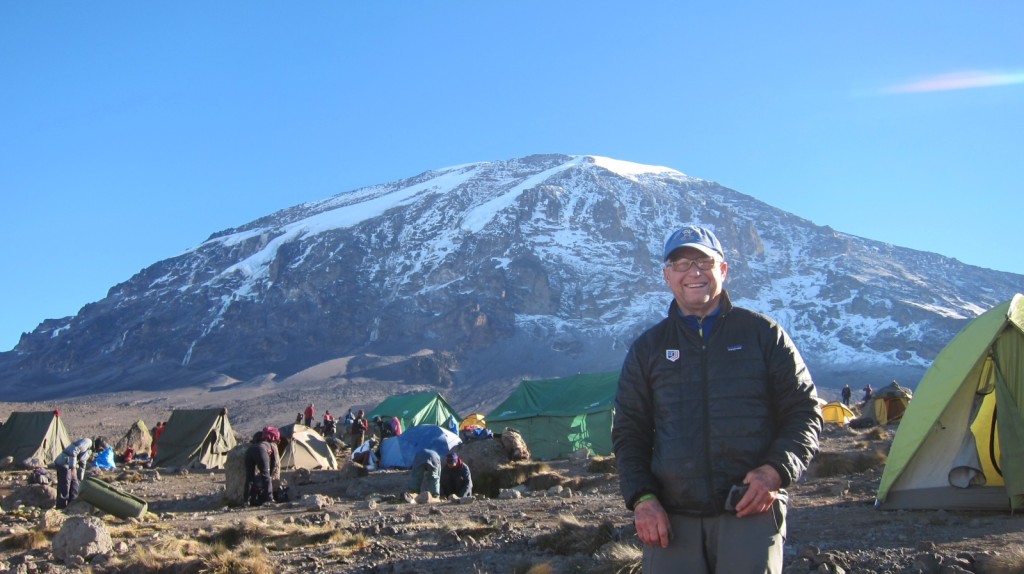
[358, 432]
[308, 415]
[846, 395]
[715, 414]
[329, 427]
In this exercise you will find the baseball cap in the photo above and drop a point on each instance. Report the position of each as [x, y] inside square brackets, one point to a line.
[452, 458]
[699, 238]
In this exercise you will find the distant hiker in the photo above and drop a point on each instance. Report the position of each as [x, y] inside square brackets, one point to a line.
[329, 424]
[349, 419]
[358, 433]
[71, 468]
[387, 428]
[426, 473]
[157, 431]
[298, 419]
[456, 479]
[262, 462]
[715, 415]
[309, 415]
[846, 395]
[867, 394]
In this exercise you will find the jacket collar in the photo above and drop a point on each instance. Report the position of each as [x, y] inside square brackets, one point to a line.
[724, 306]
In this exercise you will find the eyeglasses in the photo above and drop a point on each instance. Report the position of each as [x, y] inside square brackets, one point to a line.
[682, 265]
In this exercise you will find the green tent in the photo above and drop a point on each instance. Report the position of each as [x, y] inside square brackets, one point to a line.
[559, 416]
[196, 438]
[39, 435]
[961, 442]
[415, 409]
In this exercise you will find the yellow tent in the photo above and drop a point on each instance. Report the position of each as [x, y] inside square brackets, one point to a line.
[837, 413]
[473, 420]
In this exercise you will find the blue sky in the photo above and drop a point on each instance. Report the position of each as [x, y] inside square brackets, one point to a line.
[131, 132]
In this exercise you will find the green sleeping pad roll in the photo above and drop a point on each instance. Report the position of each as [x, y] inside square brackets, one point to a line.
[111, 500]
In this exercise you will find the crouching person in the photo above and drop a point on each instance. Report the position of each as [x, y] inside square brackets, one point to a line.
[70, 466]
[426, 473]
[456, 480]
[262, 463]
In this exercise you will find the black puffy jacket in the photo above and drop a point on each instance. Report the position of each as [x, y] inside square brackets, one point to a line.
[688, 429]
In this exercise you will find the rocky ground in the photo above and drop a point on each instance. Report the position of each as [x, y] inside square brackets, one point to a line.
[570, 518]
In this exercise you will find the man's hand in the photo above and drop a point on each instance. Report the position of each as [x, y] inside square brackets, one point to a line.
[652, 525]
[764, 482]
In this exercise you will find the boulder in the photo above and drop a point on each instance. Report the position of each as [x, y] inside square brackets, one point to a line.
[81, 537]
[234, 476]
[35, 495]
[52, 519]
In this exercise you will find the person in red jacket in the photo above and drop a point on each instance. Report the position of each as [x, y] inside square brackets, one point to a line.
[157, 431]
[309, 415]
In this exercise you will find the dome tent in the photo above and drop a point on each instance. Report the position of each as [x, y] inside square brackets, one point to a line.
[398, 451]
[305, 448]
[960, 444]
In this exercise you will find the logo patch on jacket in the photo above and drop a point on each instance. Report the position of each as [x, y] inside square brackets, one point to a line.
[735, 348]
[672, 354]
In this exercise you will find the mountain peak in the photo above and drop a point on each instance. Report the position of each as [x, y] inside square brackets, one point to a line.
[537, 266]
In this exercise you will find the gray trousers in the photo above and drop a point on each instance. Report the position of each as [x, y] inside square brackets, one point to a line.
[723, 544]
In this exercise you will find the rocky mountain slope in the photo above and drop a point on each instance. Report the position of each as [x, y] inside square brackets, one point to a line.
[479, 275]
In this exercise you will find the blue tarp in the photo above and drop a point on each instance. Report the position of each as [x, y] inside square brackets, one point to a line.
[105, 459]
[398, 452]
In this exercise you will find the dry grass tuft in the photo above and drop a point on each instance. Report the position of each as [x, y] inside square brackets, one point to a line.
[236, 549]
[237, 533]
[301, 537]
[829, 464]
[544, 481]
[163, 556]
[620, 558]
[27, 540]
[278, 536]
[248, 558]
[348, 545]
[601, 464]
[130, 476]
[542, 568]
[489, 483]
[1010, 561]
[571, 537]
[876, 433]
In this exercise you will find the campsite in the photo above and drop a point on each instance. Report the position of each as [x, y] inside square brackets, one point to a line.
[565, 514]
[833, 520]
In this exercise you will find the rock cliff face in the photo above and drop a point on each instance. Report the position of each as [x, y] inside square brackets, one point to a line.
[537, 266]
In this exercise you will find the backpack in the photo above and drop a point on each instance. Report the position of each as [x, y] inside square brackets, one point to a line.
[40, 476]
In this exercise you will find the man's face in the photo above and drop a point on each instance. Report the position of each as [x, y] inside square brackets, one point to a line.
[697, 291]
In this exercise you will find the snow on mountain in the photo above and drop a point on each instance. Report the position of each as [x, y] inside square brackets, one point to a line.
[537, 266]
